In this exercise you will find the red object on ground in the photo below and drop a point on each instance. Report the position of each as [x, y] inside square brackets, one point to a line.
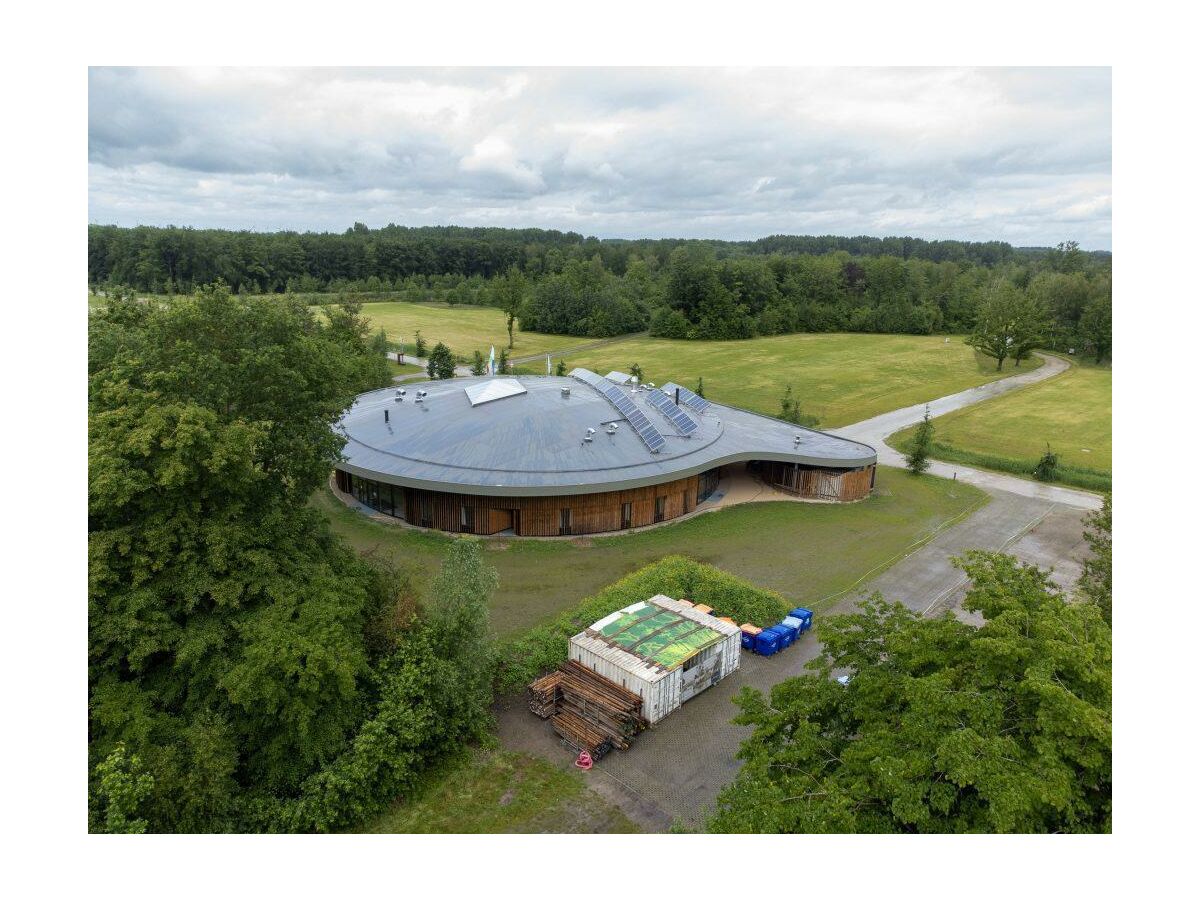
[585, 760]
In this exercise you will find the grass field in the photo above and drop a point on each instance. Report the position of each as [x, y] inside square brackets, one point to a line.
[1072, 412]
[462, 328]
[842, 378]
[403, 368]
[806, 551]
[493, 792]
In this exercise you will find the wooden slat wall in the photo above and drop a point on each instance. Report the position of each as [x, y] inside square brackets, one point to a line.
[542, 516]
[821, 484]
[594, 513]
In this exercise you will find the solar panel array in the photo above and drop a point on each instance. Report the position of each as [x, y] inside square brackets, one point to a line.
[684, 423]
[645, 429]
[695, 401]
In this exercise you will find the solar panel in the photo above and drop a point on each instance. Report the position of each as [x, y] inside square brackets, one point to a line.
[684, 423]
[695, 401]
[645, 429]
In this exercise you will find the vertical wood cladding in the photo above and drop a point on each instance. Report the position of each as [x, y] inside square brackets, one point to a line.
[588, 513]
[543, 516]
[842, 485]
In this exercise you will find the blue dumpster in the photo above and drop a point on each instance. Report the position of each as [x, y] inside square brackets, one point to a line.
[747, 641]
[787, 636]
[767, 642]
[804, 615]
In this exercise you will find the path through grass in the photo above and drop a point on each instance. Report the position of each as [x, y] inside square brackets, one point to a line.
[1071, 412]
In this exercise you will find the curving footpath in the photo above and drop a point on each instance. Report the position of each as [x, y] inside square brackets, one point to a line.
[875, 431]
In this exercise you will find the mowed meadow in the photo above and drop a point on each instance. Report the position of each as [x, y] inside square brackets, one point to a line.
[1070, 413]
[463, 329]
[842, 378]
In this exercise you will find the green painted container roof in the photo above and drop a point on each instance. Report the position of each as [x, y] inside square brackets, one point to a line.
[657, 635]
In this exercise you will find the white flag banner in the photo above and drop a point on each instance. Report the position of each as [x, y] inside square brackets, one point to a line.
[547, 363]
[492, 361]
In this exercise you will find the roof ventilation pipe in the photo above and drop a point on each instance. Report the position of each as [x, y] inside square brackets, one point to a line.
[385, 416]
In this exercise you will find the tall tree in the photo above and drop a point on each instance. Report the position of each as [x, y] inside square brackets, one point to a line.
[508, 293]
[1009, 324]
[916, 460]
[1095, 328]
[790, 411]
[943, 726]
[1096, 580]
[441, 362]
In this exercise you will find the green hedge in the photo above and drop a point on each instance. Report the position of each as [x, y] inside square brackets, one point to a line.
[544, 647]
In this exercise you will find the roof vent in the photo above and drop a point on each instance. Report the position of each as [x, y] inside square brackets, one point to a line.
[566, 392]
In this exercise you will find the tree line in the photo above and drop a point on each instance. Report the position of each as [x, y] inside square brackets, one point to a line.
[563, 283]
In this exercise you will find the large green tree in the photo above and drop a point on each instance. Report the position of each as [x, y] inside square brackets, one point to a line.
[943, 726]
[226, 625]
[508, 293]
[1009, 324]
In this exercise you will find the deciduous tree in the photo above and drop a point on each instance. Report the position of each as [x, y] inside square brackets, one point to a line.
[943, 726]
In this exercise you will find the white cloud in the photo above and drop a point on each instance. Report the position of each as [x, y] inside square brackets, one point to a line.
[1019, 155]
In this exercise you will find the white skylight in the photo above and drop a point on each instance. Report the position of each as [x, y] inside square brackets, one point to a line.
[493, 389]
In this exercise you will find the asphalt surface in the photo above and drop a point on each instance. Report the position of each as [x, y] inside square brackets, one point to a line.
[674, 772]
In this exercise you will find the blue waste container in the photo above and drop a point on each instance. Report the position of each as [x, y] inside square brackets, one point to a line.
[747, 641]
[766, 643]
[804, 615]
[787, 636]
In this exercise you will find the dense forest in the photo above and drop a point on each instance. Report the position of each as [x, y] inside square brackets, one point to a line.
[565, 283]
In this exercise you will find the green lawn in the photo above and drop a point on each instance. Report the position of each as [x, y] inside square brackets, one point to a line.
[806, 551]
[462, 328]
[403, 368]
[493, 792]
[842, 378]
[1072, 412]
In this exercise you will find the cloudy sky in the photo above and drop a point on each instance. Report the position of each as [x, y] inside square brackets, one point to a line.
[1018, 155]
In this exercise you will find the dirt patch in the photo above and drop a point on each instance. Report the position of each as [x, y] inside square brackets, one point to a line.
[581, 542]
[495, 545]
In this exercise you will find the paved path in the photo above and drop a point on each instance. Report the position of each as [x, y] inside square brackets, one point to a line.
[875, 431]
[675, 771]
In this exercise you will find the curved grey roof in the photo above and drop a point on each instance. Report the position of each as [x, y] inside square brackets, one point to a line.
[533, 443]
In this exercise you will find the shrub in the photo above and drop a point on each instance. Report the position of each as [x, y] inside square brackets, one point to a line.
[544, 647]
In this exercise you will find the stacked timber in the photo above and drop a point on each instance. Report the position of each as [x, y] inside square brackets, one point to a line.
[587, 711]
[544, 695]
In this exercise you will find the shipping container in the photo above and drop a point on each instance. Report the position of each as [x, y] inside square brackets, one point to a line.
[664, 650]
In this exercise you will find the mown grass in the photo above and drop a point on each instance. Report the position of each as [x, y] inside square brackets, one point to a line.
[841, 378]
[403, 368]
[495, 792]
[463, 329]
[1072, 413]
[805, 551]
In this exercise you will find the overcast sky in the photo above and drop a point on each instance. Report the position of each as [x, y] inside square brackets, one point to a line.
[1023, 156]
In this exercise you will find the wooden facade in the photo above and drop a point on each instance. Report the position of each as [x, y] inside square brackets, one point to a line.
[531, 516]
[814, 483]
[588, 513]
